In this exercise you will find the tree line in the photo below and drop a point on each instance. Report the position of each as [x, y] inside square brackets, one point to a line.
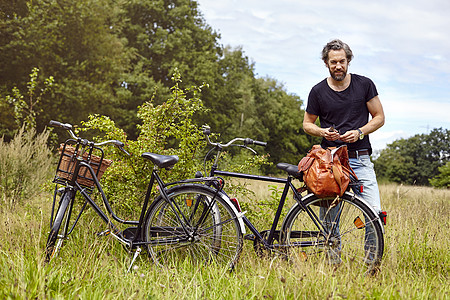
[65, 60]
[109, 57]
[422, 159]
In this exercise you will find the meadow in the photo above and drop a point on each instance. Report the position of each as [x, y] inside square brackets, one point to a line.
[415, 263]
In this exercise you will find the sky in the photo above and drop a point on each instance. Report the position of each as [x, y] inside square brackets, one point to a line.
[402, 45]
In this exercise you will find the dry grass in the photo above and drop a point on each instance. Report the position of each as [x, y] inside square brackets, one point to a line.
[415, 265]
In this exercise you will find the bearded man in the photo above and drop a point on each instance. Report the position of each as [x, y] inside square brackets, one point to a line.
[343, 102]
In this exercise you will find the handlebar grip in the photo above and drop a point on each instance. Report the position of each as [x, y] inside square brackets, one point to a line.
[249, 141]
[59, 124]
[206, 130]
[260, 143]
[118, 143]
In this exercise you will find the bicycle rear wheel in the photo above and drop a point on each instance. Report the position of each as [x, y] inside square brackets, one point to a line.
[350, 233]
[60, 223]
[193, 227]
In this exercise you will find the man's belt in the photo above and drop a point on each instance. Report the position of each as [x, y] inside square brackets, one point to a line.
[356, 153]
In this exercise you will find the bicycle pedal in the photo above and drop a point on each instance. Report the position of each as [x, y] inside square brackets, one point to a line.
[104, 233]
[249, 237]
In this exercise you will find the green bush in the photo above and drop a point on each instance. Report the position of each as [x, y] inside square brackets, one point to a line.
[25, 164]
[443, 179]
[165, 129]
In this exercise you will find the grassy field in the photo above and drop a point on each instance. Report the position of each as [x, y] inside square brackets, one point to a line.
[415, 264]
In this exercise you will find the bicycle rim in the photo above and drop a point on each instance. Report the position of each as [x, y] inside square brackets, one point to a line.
[351, 234]
[178, 236]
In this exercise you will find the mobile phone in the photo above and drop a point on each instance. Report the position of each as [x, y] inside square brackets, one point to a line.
[332, 129]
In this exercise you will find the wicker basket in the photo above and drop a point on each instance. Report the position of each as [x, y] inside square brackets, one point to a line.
[66, 166]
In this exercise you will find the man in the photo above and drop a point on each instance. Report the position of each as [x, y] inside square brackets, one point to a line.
[343, 102]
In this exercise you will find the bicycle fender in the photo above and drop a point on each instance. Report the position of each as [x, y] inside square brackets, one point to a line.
[225, 198]
[239, 215]
[351, 195]
[370, 207]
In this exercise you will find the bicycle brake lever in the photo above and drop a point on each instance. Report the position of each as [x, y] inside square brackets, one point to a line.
[123, 150]
[251, 149]
[120, 145]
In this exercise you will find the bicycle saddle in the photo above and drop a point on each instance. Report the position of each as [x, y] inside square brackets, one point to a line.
[290, 169]
[162, 161]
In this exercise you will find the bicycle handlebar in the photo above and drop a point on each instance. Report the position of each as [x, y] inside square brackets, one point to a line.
[244, 143]
[69, 127]
[247, 141]
[66, 126]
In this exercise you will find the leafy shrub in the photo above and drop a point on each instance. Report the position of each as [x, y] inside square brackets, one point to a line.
[443, 179]
[25, 163]
[165, 129]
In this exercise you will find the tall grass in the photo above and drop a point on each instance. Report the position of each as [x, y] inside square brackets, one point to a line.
[24, 165]
[415, 264]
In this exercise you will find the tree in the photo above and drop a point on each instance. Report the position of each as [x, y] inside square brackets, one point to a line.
[415, 160]
[26, 108]
[443, 179]
[229, 94]
[171, 34]
[76, 42]
[278, 117]
[166, 34]
[109, 57]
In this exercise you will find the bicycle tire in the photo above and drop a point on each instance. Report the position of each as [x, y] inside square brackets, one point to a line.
[354, 238]
[218, 239]
[55, 239]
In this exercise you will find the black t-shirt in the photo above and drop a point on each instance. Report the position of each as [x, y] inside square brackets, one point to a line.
[345, 110]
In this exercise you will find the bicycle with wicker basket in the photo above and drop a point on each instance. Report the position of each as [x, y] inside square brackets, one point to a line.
[187, 220]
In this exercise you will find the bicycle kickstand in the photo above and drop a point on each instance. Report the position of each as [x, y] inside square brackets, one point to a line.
[136, 254]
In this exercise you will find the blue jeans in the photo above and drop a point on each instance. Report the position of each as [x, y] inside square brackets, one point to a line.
[363, 168]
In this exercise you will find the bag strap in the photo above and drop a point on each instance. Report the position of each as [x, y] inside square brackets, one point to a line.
[337, 177]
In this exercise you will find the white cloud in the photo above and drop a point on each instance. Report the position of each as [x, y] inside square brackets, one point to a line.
[402, 45]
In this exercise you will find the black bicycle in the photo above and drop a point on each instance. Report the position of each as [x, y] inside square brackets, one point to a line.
[337, 230]
[187, 220]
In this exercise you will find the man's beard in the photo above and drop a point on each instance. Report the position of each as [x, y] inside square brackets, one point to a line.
[339, 77]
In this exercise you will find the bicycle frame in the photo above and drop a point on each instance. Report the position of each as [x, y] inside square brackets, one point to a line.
[287, 186]
[73, 184]
[138, 239]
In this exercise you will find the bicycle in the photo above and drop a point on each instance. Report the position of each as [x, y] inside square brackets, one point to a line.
[187, 220]
[336, 230]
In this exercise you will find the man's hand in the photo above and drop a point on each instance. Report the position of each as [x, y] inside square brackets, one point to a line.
[331, 134]
[350, 136]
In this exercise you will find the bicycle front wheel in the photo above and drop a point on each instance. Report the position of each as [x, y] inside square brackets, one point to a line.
[60, 225]
[337, 231]
[195, 225]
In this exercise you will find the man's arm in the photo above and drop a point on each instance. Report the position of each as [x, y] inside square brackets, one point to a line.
[376, 111]
[311, 128]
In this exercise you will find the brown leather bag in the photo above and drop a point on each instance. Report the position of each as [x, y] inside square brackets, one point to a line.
[326, 172]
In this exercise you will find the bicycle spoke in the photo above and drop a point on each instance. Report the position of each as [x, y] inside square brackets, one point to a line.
[346, 241]
[215, 237]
